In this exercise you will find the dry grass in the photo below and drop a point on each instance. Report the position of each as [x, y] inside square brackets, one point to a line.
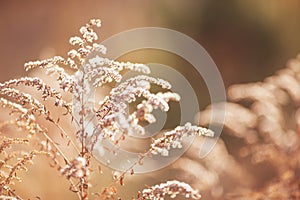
[36, 126]
[262, 135]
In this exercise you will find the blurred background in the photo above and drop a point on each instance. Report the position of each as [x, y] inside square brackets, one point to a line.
[248, 40]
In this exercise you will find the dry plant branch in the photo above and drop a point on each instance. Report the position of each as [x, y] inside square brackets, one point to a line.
[113, 123]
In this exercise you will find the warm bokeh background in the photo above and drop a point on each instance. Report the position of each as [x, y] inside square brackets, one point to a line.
[248, 40]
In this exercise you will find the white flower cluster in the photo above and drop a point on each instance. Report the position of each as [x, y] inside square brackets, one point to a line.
[76, 169]
[172, 189]
[173, 138]
[112, 115]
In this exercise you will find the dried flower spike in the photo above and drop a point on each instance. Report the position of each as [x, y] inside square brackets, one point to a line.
[170, 188]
